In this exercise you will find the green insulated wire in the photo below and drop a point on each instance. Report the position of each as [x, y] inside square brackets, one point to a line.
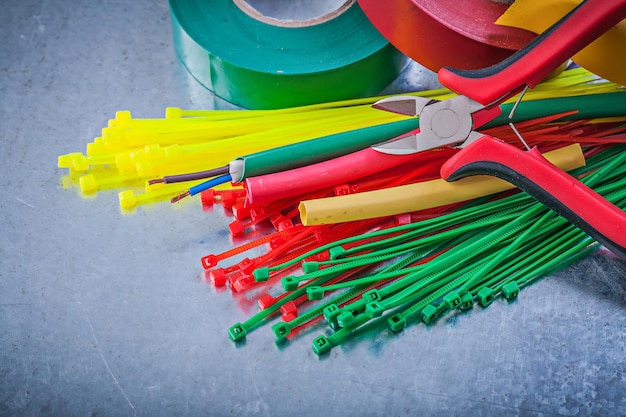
[321, 149]
[332, 146]
[589, 106]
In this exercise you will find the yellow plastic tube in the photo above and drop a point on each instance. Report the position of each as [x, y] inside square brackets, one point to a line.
[606, 56]
[420, 196]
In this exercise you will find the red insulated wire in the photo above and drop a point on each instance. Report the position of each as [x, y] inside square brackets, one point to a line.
[324, 174]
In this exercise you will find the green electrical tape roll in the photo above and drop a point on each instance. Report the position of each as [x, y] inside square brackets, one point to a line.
[263, 63]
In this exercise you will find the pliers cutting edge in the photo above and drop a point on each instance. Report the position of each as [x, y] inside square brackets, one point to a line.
[452, 123]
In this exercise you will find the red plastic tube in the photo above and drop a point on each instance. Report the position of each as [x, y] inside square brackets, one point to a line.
[325, 174]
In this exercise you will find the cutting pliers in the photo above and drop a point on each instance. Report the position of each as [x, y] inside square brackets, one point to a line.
[453, 122]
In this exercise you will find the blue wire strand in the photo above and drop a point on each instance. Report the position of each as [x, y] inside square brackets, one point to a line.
[210, 184]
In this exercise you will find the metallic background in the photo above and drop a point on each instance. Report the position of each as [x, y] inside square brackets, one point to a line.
[106, 314]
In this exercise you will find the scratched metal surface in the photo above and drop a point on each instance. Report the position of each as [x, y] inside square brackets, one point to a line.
[103, 314]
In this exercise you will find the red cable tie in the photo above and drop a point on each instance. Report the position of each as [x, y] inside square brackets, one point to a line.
[246, 266]
[237, 228]
[265, 301]
[229, 198]
[217, 277]
[240, 211]
[212, 260]
[207, 197]
[289, 317]
[242, 282]
[289, 308]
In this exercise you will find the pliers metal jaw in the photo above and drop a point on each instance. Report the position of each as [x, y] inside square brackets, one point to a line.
[442, 123]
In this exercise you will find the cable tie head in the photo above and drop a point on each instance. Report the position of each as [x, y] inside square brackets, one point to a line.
[209, 261]
[237, 332]
[246, 266]
[336, 252]
[257, 213]
[452, 300]
[320, 256]
[331, 312]
[265, 301]
[510, 290]
[261, 274]
[284, 225]
[128, 199]
[173, 113]
[123, 118]
[315, 293]
[374, 309]
[485, 296]
[321, 345]
[281, 330]
[429, 313]
[276, 242]
[218, 277]
[240, 211]
[241, 282]
[236, 228]
[88, 184]
[371, 296]
[65, 161]
[228, 198]
[396, 323]
[310, 266]
[345, 319]
[290, 283]
[467, 301]
[207, 197]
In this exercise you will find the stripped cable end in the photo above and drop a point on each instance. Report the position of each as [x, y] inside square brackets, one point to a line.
[156, 181]
[179, 197]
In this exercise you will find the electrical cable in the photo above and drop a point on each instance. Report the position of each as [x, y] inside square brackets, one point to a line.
[170, 179]
[202, 187]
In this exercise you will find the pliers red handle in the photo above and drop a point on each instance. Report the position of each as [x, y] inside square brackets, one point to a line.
[532, 173]
[530, 65]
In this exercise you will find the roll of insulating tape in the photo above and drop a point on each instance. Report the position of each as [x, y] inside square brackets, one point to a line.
[459, 34]
[259, 62]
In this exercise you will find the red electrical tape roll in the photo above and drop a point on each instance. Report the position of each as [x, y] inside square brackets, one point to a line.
[457, 33]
